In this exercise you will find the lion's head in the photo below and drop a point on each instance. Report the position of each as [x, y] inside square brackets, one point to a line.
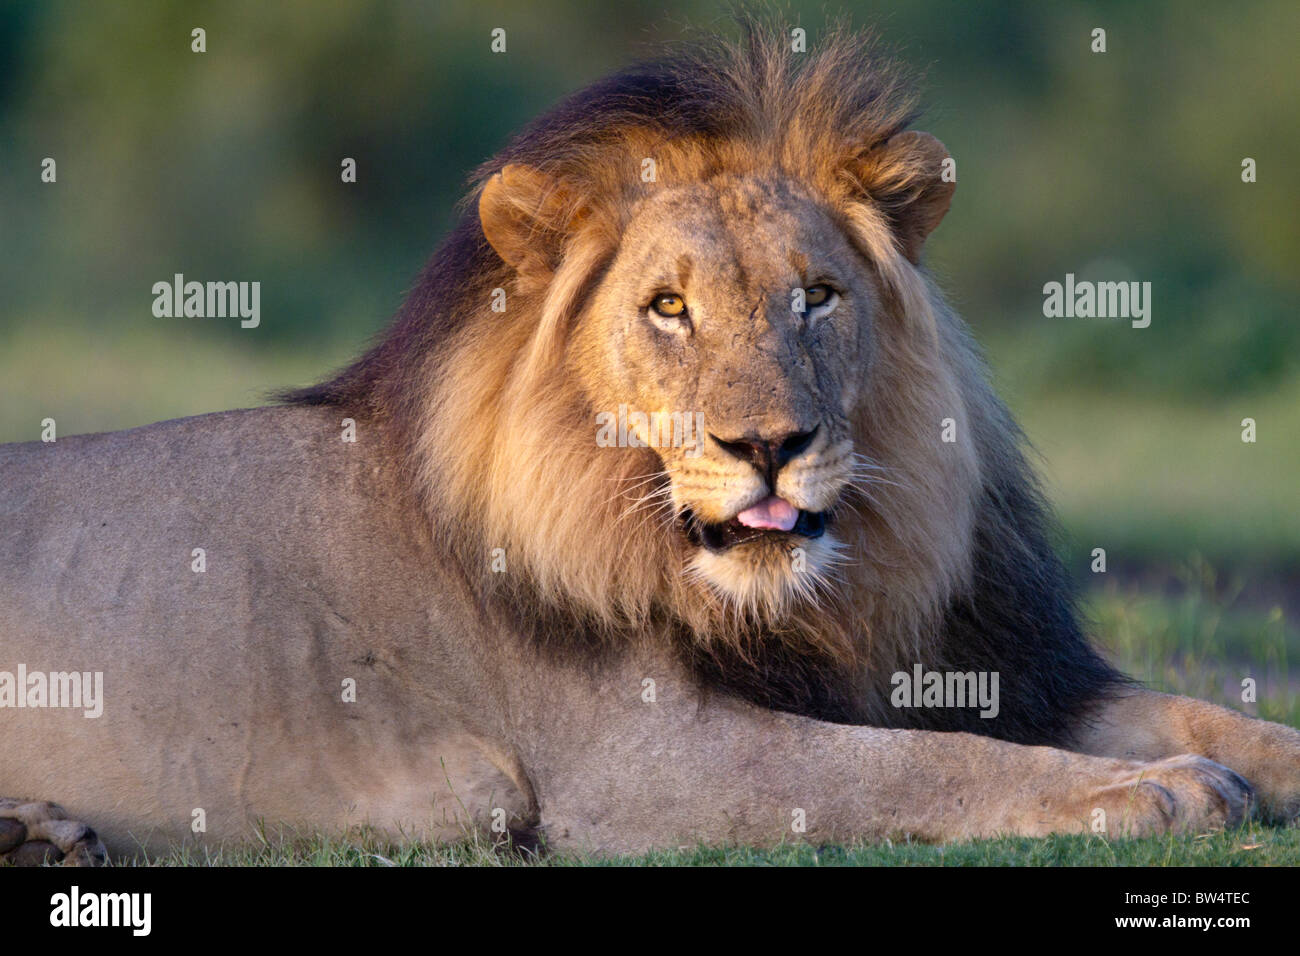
[678, 369]
[735, 303]
[735, 326]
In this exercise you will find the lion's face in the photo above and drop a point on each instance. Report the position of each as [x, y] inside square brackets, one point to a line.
[730, 333]
[767, 376]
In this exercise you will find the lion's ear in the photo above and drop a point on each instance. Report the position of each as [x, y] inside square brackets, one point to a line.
[904, 177]
[526, 216]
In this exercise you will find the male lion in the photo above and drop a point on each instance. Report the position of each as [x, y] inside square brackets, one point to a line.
[497, 605]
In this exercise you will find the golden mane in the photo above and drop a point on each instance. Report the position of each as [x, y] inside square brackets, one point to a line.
[499, 444]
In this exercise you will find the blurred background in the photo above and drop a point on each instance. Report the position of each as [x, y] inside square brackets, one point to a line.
[1123, 165]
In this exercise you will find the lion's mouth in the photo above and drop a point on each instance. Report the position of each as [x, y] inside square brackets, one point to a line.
[751, 525]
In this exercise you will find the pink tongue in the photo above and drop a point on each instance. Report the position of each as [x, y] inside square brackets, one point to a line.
[772, 512]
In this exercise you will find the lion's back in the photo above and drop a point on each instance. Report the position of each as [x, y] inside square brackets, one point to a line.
[223, 575]
[91, 518]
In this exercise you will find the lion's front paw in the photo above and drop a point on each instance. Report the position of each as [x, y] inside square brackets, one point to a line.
[1180, 794]
[1269, 755]
[35, 833]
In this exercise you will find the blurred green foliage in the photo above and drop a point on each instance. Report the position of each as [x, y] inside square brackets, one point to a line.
[226, 163]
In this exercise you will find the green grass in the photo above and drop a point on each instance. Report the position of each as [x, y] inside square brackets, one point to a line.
[1202, 642]
[1250, 845]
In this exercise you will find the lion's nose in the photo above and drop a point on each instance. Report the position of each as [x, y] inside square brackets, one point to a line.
[768, 455]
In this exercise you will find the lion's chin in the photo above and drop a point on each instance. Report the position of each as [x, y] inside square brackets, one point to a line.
[771, 575]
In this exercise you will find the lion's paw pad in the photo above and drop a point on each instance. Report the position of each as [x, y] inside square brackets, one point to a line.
[35, 833]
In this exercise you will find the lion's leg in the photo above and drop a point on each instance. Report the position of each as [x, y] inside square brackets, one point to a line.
[1146, 725]
[628, 775]
[33, 833]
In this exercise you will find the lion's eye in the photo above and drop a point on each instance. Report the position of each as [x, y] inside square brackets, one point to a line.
[819, 300]
[816, 295]
[669, 305]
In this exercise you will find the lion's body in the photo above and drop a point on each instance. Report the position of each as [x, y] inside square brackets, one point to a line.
[228, 682]
[632, 644]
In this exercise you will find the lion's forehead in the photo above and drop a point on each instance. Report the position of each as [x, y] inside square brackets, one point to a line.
[763, 225]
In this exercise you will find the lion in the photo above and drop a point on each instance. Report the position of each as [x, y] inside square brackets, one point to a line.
[618, 538]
